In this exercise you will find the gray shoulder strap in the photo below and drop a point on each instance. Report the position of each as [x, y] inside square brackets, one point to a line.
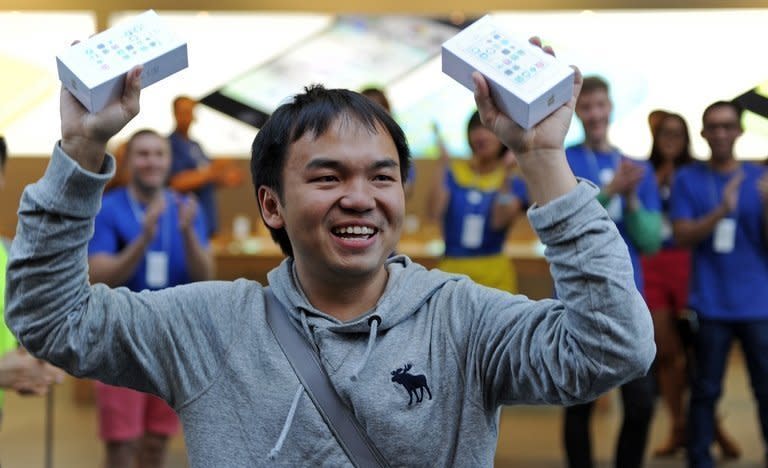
[306, 364]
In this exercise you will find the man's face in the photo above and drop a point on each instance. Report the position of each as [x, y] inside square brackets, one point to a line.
[149, 161]
[484, 143]
[343, 201]
[721, 127]
[184, 113]
[594, 110]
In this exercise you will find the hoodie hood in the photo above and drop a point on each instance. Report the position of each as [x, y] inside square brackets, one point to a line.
[392, 308]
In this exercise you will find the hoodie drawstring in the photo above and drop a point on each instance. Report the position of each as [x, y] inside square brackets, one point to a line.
[287, 425]
[374, 323]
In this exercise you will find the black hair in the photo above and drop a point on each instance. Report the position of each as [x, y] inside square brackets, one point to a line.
[313, 112]
[473, 123]
[594, 83]
[732, 104]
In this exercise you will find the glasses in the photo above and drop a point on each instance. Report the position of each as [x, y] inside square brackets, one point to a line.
[727, 126]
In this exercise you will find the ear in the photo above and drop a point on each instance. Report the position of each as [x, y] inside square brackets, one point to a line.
[271, 208]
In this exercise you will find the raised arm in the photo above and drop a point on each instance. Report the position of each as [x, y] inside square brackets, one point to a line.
[598, 333]
[113, 335]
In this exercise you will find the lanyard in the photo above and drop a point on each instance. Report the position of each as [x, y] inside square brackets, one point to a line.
[595, 167]
[165, 221]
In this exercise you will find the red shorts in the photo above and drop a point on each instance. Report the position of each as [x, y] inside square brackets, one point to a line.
[666, 275]
[126, 414]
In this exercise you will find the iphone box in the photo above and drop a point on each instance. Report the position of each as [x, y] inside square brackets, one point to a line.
[94, 70]
[526, 83]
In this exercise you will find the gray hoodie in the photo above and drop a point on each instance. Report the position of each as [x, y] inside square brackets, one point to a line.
[426, 378]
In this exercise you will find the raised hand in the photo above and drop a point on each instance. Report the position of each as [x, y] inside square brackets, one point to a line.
[84, 135]
[547, 134]
[627, 178]
[188, 207]
[731, 192]
[154, 210]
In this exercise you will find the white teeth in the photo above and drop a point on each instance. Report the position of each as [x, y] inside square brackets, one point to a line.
[357, 230]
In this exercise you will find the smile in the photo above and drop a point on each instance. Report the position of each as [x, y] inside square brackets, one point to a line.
[354, 232]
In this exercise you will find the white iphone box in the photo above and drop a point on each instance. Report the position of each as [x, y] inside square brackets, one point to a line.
[94, 70]
[526, 83]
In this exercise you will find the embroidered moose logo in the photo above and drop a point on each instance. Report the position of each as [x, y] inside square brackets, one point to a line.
[415, 384]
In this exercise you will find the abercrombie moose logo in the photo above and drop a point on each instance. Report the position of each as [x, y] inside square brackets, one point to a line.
[415, 384]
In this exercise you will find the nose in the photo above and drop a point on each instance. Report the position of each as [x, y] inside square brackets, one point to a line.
[358, 196]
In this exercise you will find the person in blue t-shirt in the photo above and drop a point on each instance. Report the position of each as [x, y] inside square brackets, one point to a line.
[718, 209]
[630, 195]
[477, 201]
[145, 237]
[192, 171]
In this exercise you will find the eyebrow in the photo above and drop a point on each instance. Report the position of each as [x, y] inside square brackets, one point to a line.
[325, 163]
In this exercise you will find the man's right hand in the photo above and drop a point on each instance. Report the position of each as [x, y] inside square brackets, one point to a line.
[84, 135]
[731, 192]
[627, 178]
[151, 216]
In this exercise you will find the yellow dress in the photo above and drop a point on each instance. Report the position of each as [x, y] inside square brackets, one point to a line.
[492, 269]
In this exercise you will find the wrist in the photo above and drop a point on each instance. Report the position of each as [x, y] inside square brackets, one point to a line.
[87, 152]
[722, 210]
[633, 202]
[145, 238]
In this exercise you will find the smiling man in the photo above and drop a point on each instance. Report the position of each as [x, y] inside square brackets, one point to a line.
[328, 171]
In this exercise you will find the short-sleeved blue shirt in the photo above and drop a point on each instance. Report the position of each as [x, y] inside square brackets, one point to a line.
[471, 197]
[728, 286]
[599, 168]
[117, 225]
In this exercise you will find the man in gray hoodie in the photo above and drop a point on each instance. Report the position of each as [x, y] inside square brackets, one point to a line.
[328, 170]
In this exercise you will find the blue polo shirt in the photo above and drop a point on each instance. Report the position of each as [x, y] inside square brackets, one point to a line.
[599, 168]
[726, 286]
[118, 224]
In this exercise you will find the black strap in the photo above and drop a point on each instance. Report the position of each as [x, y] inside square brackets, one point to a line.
[306, 364]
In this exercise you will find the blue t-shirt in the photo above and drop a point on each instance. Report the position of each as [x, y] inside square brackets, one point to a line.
[188, 155]
[730, 286]
[118, 224]
[599, 168]
[467, 229]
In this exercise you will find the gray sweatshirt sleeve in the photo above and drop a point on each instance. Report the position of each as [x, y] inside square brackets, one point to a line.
[595, 336]
[112, 335]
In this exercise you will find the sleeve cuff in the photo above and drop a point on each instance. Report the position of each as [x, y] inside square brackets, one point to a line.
[69, 189]
[566, 214]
